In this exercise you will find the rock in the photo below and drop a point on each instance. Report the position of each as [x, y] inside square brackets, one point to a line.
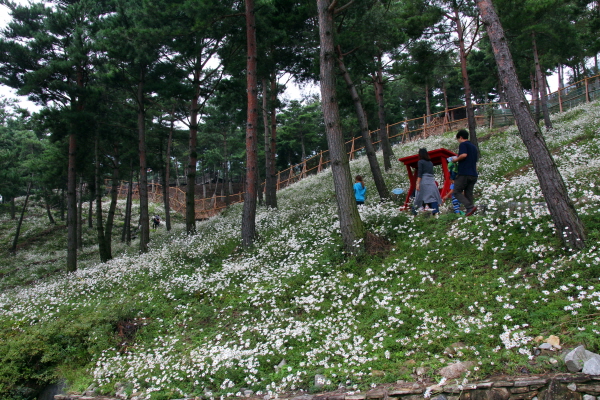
[376, 394]
[449, 351]
[592, 366]
[248, 393]
[90, 391]
[320, 380]
[422, 371]
[280, 365]
[589, 397]
[554, 341]
[576, 358]
[545, 346]
[538, 339]
[493, 394]
[440, 397]
[455, 370]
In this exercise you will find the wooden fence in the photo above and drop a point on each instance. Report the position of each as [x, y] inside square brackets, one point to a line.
[491, 114]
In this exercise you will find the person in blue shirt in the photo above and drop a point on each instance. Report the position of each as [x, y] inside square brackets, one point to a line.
[360, 190]
[467, 172]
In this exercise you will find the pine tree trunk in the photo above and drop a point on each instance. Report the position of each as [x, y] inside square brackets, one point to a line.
[249, 211]
[465, 77]
[61, 202]
[272, 188]
[226, 170]
[48, 210]
[535, 97]
[80, 215]
[561, 79]
[267, 145]
[126, 234]
[99, 223]
[143, 181]
[351, 226]
[190, 190]
[72, 206]
[110, 217]
[388, 153]
[13, 248]
[90, 209]
[568, 225]
[167, 178]
[364, 130]
[541, 84]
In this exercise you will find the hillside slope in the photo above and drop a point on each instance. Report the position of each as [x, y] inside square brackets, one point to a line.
[199, 316]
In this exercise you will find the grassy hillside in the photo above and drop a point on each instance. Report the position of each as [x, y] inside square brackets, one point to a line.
[200, 316]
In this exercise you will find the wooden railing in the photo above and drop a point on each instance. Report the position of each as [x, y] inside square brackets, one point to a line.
[490, 114]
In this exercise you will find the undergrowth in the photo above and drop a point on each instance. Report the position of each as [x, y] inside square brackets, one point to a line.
[200, 316]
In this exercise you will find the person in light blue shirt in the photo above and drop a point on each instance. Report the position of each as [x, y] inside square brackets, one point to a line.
[360, 190]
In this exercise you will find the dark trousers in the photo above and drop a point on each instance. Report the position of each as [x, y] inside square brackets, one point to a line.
[463, 189]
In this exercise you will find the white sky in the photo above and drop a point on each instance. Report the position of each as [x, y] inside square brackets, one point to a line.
[6, 91]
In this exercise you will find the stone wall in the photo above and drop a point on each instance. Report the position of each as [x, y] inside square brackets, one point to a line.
[535, 387]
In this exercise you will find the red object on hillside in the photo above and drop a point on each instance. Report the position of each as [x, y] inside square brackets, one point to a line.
[438, 157]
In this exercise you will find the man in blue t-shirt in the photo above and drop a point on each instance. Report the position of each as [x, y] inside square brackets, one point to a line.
[467, 171]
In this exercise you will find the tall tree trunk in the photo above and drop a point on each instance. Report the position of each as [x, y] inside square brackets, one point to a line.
[561, 79]
[176, 163]
[167, 178]
[351, 226]
[568, 225]
[72, 206]
[48, 210]
[61, 202]
[13, 248]
[190, 190]
[386, 147]
[465, 77]
[99, 223]
[535, 97]
[267, 143]
[126, 234]
[541, 79]
[272, 190]
[364, 130]
[80, 215]
[226, 171]
[143, 181]
[249, 211]
[90, 209]
[110, 217]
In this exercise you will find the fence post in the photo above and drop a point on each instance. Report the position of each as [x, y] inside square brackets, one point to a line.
[405, 133]
[424, 125]
[352, 150]
[278, 180]
[303, 174]
[560, 106]
[320, 168]
[587, 91]
[445, 128]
